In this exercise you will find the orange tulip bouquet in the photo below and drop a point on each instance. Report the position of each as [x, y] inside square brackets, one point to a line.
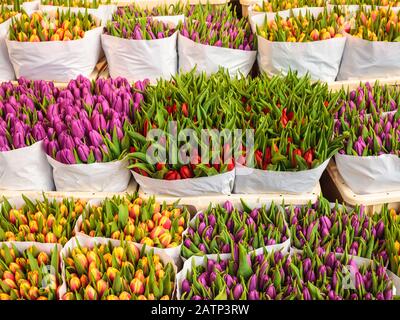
[58, 45]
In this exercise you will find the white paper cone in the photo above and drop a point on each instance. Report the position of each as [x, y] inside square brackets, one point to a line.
[220, 183]
[56, 60]
[26, 169]
[110, 176]
[249, 180]
[211, 58]
[372, 174]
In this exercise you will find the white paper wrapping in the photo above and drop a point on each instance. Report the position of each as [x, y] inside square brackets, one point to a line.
[250, 180]
[104, 12]
[321, 59]
[363, 59]
[141, 59]
[284, 247]
[211, 58]
[110, 176]
[220, 184]
[25, 169]
[90, 242]
[396, 281]
[6, 68]
[56, 60]
[42, 247]
[30, 6]
[372, 174]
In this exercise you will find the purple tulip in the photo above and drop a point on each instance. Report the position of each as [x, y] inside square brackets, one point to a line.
[186, 286]
[228, 206]
[95, 138]
[237, 291]
[66, 156]
[271, 292]
[306, 294]
[253, 295]
[83, 152]
[252, 283]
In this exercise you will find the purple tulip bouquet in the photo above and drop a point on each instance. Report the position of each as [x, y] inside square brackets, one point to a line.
[23, 163]
[369, 160]
[86, 131]
[220, 229]
[329, 227]
[139, 47]
[275, 276]
[213, 37]
[367, 99]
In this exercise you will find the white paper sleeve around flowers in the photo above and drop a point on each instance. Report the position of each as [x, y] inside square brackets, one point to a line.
[56, 60]
[103, 12]
[249, 180]
[210, 58]
[110, 176]
[220, 184]
[141, 59]
[372, 174]
[91, 242]
[6, 68]
[26, 169]
[321, 59]
[363, 59]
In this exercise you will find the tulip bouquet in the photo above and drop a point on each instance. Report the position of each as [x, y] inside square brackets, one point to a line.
[116, 272]
[302, 276]
[303, 28]
[376, 25]
[372, 141]
[153, 54]
[76, 3]
[42, 221]
[292, 136]
[22, 130]
[314, 39]
[134, 11]
[87, 123]
[216, 32]
[370, 136]
[133, 219]
[139, 29]
[40, 26]
[25, 272]
[174, 101]
[219, 27]
[6, 13]
[220, 229]
[6, 69]
[32, 37]
[367, 99]
[383, 3]
[278, 5]
[392, 218]
[335, 228]
[87, 128]
[21, 115]
[374, 30]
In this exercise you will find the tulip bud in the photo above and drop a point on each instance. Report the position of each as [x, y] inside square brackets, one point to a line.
[90, 293]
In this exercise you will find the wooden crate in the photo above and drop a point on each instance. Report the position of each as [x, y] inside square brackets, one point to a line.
[202, 202]
[372, 202]
[132, 187]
